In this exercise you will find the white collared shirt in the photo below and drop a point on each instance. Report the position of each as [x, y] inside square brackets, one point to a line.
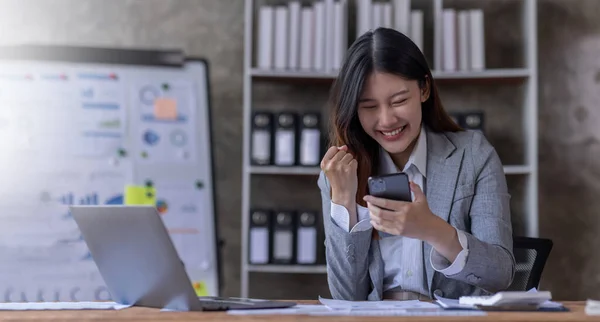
[403, 256]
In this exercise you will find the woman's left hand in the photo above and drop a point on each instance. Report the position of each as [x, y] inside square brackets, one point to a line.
[410, 219]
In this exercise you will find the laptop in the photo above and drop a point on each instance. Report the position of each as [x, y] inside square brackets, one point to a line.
[140, 265]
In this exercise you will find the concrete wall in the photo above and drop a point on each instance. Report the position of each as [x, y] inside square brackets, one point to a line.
[569, 43]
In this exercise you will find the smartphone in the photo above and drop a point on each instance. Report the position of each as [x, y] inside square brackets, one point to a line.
[393, 186]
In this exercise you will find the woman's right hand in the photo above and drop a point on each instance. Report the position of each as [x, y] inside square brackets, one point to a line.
[340, 168]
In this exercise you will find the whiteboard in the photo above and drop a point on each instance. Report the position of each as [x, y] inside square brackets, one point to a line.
[78, 126]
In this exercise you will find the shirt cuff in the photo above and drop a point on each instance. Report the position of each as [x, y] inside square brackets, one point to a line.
[442, 265]
[341, 218]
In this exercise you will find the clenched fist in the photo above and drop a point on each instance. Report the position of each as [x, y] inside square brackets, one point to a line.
[340, 168]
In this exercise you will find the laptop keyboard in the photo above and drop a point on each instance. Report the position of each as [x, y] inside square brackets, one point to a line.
[214, 306]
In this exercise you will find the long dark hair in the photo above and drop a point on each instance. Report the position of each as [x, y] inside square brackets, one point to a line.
[389, 51]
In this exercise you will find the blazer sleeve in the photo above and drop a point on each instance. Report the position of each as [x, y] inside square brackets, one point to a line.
[346, 254]
[490, 264]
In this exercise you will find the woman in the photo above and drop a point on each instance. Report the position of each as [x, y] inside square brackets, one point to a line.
[455, 237]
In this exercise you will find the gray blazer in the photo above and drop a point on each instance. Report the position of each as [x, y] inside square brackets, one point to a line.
[466, 186]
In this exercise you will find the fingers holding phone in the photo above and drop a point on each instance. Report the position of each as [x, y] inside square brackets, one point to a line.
[394, 211]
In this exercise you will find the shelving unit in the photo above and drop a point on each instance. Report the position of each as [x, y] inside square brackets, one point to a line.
[514, 73]
[527, 75]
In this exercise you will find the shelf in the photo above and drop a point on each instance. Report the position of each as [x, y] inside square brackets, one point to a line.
[301, 269]
[299, 170]
[275, 170]
[484, 74]
[292, 74]
[517, 169]
[489, 74]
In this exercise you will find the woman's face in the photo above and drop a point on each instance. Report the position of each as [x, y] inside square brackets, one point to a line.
[389, 111]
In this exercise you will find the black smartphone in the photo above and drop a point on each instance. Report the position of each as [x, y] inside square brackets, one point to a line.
[393, 186]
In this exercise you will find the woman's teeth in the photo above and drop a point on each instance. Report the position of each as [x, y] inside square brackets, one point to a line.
[394, 132]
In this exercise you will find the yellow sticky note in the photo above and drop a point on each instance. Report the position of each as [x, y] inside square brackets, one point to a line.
[200, 289]
[165, 109]
[140, 195]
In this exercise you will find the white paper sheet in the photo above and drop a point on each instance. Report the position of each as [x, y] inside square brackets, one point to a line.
[378, 308]
[62, 306]
[452, 304]
[300, 309]
[592, 307]
[405, 312]
[376, 305]
[548, 304]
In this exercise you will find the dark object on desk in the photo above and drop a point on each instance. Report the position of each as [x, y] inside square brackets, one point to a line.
[508, 308]
[522, 308]
[139, 263]
[531, 255]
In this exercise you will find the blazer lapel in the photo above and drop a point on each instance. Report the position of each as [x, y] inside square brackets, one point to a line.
[443, 164]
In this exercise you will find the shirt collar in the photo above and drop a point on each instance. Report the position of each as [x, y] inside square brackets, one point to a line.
[418, 157]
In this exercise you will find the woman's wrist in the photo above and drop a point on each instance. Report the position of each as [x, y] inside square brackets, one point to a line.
[443, 238]
[342, 197]
[439, 232]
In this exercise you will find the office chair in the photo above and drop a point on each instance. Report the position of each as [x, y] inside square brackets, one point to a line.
[530, 255]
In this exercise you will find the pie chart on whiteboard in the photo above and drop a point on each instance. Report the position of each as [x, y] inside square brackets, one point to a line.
[161, 206]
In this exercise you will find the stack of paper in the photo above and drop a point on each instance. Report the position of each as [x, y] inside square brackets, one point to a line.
[406, 312]
[452, 304]
[300, 309]
[375, 305]
[361, 308]
[388, 308]
[592, 307]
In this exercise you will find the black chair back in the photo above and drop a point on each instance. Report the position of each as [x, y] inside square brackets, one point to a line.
[530, 255]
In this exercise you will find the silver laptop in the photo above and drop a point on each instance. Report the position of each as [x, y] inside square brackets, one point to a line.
[140, 265]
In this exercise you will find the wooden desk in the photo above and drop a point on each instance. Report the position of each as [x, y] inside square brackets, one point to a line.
[144, 314]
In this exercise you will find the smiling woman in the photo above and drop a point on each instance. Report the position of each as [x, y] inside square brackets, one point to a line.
[455, 237]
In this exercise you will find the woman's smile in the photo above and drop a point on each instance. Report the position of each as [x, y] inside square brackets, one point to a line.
[393, 135]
